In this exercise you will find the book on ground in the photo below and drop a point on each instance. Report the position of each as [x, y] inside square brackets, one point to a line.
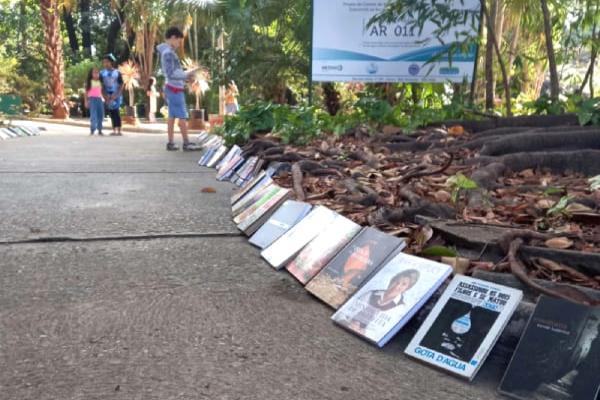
[350, 268]
[558, 356]
[291, 242]
[219, 153]
[253, 221]
[234, 151]
[252, 203]
[390, 298]
[464, 325]
[323, 248]
[280, 222]
[258, 180]
[229, 168]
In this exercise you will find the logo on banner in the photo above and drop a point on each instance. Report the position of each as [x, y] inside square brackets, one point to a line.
[414, 69]
[372, 68]
[332, 68]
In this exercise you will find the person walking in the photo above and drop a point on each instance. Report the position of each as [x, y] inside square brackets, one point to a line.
[94, 101]
[153, 95]
[174, 88]
[112, 90]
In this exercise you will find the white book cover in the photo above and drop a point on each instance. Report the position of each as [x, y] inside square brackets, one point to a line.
[464, 325]
[218, 155]
[390, 298]
[288, 245]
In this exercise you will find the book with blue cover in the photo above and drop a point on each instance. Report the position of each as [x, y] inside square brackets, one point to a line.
[235, 150]
[290, 213]
[351, 267]
[391, 297]
[464, 325]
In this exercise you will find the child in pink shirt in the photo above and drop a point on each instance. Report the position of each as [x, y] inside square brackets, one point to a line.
[94, 100]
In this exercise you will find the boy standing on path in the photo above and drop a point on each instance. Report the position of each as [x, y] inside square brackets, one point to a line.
[112, 90]
[174, 88]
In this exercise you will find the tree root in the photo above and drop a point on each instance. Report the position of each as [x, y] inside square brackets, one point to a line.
[297, 182]
[519, 270]
[420, 174]
[540, 141]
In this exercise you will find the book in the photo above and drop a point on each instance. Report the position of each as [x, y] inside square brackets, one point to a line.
[464, 325]
[558, 355]
[390, 298]
[219, 153]
[229, 168]
[234, 151]
[4, 134]
[342, 276]
[282, 250]
[252, 201]
[319, 251]
[258, 180]
[280, 222]
[252, 222]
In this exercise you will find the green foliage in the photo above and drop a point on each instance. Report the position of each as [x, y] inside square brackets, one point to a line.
[459, 183]
[588, 111]
[298, 125]
[560, 206]
[439, 251]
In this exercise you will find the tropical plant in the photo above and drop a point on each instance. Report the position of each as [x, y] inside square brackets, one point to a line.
[130, 73]
[199, 81]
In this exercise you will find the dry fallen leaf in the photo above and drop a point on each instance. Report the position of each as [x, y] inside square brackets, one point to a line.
[460, 265]
[545, 204]
[208, 190]
[559, 243]
[456, 130]
[442, 196]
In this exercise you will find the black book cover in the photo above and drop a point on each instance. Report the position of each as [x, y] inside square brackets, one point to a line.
[558, 356]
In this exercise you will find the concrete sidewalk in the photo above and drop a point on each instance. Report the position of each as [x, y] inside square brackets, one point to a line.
[135, 309]
[159, 127]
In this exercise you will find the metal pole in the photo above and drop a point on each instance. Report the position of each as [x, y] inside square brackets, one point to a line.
[310, 66]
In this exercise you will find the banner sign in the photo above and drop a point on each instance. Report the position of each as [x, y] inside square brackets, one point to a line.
[346, 49]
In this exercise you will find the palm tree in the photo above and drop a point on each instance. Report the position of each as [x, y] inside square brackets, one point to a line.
[54, 58]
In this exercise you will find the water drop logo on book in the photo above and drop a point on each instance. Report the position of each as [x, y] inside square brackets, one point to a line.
[414, 69]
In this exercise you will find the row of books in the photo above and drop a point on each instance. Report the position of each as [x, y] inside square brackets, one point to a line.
[376, 289]
[13, 131]
[229, 162]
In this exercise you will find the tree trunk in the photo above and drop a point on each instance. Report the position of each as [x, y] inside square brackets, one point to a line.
[332, 98]
[113, 34]
[490, 82]
[505, 79]
[514, 43]
[71, 32]
[54, 58]
[86, 27]
[554, 84]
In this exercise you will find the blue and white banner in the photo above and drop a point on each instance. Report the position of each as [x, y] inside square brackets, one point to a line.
[346, 49]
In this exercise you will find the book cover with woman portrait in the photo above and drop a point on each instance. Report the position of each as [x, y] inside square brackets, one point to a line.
[387, 301]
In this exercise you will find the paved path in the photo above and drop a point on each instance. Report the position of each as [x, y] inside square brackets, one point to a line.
[167, 317]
